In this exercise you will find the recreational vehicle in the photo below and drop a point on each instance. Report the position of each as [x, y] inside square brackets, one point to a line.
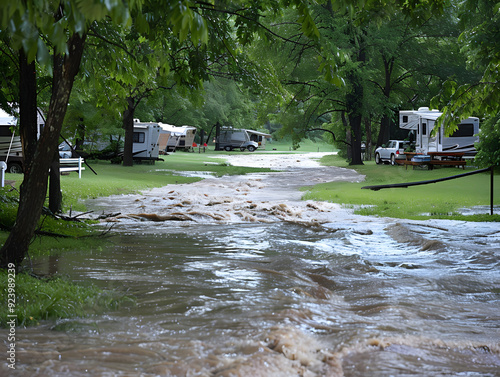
[145, 140]
[230, 138]
[259, 137]
[421, 123]
[11, 151]
[178, 137]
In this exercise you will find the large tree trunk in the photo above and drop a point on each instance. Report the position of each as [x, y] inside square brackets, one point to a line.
[128, 126]
[55, 196]
[355, 98]
[28, 120]
[369, 141]
[385, 122]
[354, 104]
[34, 186]
[355, 122]
[383, 135]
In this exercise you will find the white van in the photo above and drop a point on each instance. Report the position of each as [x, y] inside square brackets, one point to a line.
[230, 139]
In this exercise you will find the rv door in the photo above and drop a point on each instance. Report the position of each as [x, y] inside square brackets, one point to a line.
[422, 136]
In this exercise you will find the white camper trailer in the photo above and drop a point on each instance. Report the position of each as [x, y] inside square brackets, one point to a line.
[422, 122]
[11, 151]
[179, 137]
[145, 146]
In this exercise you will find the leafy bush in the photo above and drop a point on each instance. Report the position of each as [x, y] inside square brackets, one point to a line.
[489, 142]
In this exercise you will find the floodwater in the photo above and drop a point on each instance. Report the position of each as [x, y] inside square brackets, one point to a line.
[237, 277]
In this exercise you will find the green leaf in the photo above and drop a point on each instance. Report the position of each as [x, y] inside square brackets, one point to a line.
[43, 55]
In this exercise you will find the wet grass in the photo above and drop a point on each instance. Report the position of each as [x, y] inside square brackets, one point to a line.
[438, 200]
[304, 146]
[40, 299]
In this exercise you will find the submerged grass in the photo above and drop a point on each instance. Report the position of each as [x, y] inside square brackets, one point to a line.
[438, 200]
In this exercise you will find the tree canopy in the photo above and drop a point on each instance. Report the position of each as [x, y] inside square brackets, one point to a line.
[480, 23]
[346, 66]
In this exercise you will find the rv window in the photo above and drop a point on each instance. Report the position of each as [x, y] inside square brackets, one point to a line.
[405, 118]
[5, 131]
[464, 130]
[424, 128]
[139, 137]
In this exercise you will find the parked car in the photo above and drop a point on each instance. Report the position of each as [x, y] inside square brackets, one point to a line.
[392, 151]
[65, 150]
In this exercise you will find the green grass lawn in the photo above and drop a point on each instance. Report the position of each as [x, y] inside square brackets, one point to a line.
[437, 200]
[305, 146]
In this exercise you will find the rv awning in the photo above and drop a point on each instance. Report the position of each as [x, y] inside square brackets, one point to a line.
[413, 120]
[258, 133]
[6, 119]
[178, 131]
[409, 125]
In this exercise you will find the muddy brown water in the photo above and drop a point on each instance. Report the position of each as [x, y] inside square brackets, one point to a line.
[237, 277]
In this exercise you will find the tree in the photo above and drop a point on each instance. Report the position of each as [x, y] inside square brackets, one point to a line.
[480, 22]
[372, 60]
[220, 100]
[34, 26]
[324, 78]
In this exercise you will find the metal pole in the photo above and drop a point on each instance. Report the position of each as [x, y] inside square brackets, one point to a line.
[3, 168]
[491, 191]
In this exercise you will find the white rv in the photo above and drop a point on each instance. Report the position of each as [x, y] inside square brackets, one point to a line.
[422, 122]
[179, 137]
[145, 142]
[259, 137]
[11, 150]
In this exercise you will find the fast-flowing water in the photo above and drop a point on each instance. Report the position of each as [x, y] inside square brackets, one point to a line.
[235, 277]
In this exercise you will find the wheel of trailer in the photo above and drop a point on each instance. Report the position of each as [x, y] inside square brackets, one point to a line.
[15, 168]
[228, 148]
[242, 149]
[393, 159]
[377, 159]
[251, 148]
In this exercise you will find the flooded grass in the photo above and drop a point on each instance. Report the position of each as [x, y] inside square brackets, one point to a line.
[117, 179]
[40, 299]
[440, 200]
